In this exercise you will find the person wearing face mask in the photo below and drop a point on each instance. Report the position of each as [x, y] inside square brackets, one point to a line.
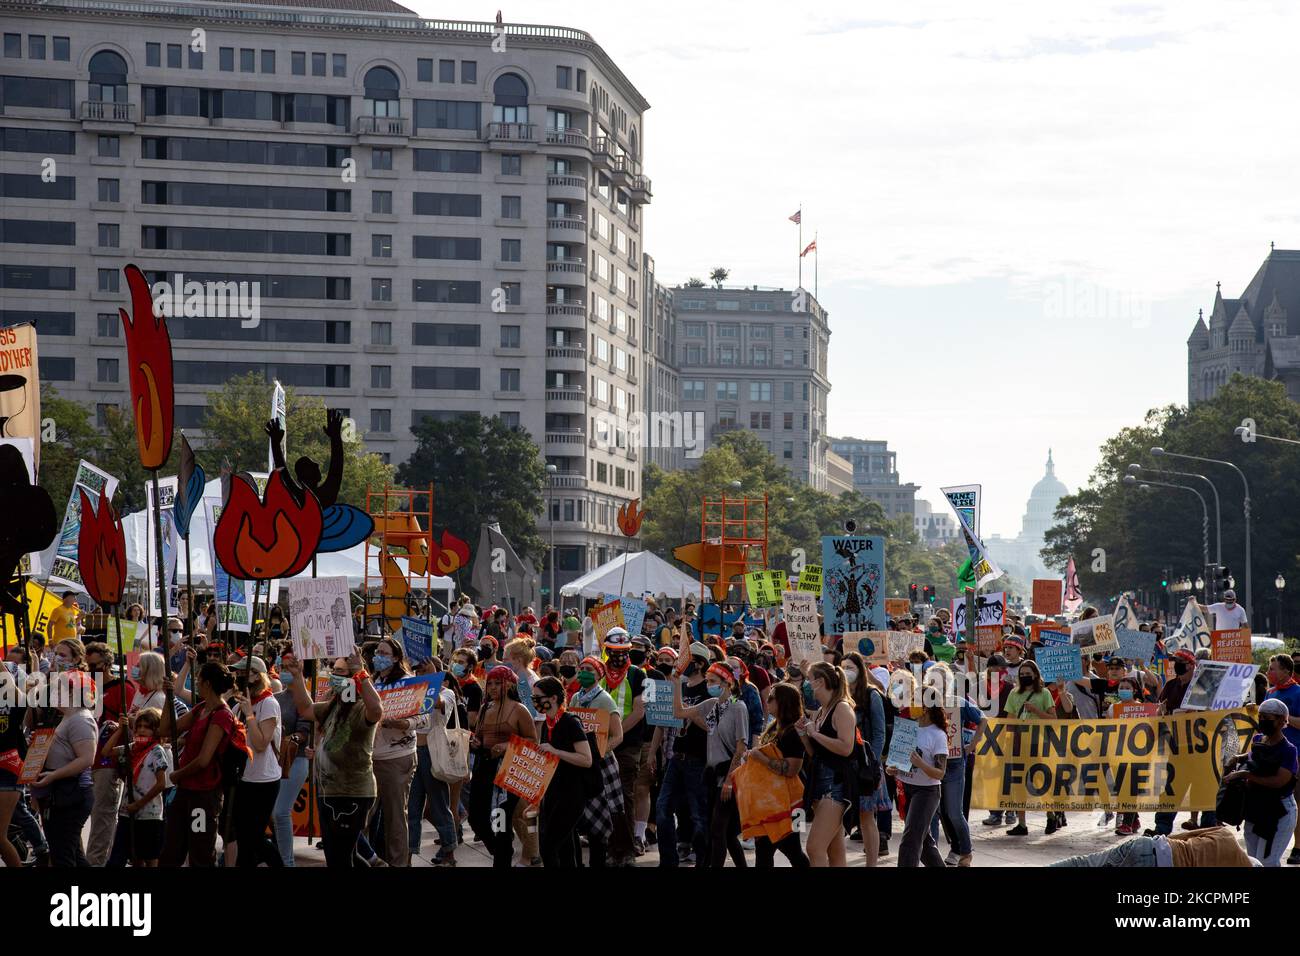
[502, 717]
[1269, 769]
[624, 682]
[1029, 701]
[1282, 685]
[470, 693]
[603, 813]
[869, 712]
[725, 721]
[429, 793]
[519, 655]
[487, 656]
[1169, 701]
[295, 750]
[64, 786]
[140, 818]
[829, 738]
[568, 667]
[922, 786]
[1228, 614]
[683, 774]
[118, 695]
[394, 759]
[780, 750]
[563, 803]
[259, 784]
[1126, 691]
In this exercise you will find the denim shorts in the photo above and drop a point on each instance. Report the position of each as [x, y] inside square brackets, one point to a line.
[822, 783]
[8, 782]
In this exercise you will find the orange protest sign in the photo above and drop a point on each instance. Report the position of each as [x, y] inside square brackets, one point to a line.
[605, 616]
[1232, 645]
[37, 751]
[1133, 708]
[988, 640]
[1047, 595]
[305, 823]
[525, 770]
[594, 721]
[897, 607]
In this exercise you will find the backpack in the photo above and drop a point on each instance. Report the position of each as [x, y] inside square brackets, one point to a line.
[866, 767]
[234, 758]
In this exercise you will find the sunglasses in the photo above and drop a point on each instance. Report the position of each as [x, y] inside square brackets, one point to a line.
[540, 701]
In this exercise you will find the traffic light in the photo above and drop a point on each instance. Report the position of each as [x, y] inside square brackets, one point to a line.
[1224, 579]
[911, 589]
[929, 594]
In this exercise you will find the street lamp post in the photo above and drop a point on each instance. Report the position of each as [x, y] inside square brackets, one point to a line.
[1218, 522]
[1205, 511]
[1279, 582]
[1158, 452]
[551, 471]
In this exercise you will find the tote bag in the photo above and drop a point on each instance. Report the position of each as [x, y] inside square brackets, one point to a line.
[449, 749]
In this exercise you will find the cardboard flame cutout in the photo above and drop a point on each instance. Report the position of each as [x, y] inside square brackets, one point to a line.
[257, 540]
[453, 554]
[101, 551]
[630, 517]
[149, 361]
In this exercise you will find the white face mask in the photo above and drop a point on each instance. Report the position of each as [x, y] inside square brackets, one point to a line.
[851, 674]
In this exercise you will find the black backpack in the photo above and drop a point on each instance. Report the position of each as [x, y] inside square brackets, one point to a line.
[1230, 806]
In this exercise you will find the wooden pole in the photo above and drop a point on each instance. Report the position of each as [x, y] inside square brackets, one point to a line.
[169, 705]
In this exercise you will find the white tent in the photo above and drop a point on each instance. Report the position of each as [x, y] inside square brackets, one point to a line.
[349, 564]
[646, 572]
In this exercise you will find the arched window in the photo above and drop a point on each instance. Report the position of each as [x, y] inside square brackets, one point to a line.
[381, 88]
[635, 150]
[510, 99]
[107, 77]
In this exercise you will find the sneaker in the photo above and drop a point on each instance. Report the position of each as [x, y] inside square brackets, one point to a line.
[855, 836]
[884, 846]
[1105, 818]
[951, 859]
[965, 860]
[1018, 830]
[1052, 825]
[1062, 820]
[638, 846]
[444, 859]
[993, 820]
[1190, 825]
[1126, 829]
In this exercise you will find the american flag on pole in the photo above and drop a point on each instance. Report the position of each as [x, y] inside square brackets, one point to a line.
[811, 246]
[797, 217]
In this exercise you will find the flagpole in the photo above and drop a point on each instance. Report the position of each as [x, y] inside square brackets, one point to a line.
[800, 224]
[816, 263]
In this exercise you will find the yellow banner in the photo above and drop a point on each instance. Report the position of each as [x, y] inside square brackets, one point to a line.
[1137, 765]
[38, 614]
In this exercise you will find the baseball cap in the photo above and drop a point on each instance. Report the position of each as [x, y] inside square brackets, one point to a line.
[1275, 707]
[259, 665]
[701, 650]
[1230, 593]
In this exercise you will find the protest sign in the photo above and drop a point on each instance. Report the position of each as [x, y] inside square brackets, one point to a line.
[1217, 685]
[233, 597]
[525, 770]
[902, 744]
[1124, 615]
[171, 540]
[320, 618]
[37, 750]
[954, 733]
[897, 607]
[603, 617]
[903, 643]
[129, 631]
[1193, 631]
[406, 697]
[634, 611]
[810, 579]
[991, 611]
[800, 610]
[61, 559]
[853, 568]
[872, 645]
[987, 640]
[1137, 765]
[764, 587]
[1059, 662]
[305, 823]
[40, 602]
[1047, 596]
[417, 639]
[20, 390]
[658, 698]
[1232, 645]
[1131, 708]
[594, 721]
[1136, 646]
[1042, 633]
[1095, 635]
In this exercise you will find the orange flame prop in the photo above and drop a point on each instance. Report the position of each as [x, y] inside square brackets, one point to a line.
[256, 540]
[452, 555]
[149, 359]
[101, 551]
[630, 517]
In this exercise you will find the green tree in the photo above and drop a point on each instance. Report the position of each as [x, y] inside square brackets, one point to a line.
[1142, 533]
[234, 432]
[75, 438]
[719, 275]
[694, 283]
[481, 470]
[119, 455]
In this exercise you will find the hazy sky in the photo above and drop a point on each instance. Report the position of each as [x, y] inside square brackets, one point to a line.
[1019, 209]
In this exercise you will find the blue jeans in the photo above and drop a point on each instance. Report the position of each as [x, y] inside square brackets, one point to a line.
[683, 778]
[1139, 851]
[1260, 848]
[1165, 821]
[282, 815]
[955, 828]
[28, 825]
[425, 786]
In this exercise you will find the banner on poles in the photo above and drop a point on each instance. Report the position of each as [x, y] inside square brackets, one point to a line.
[320, 618]
[40, 602]
[965, 503]
[62, 559]
[1169, 764]
[1193, 631]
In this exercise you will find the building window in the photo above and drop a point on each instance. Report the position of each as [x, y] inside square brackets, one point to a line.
[195, 59]
[13, 45]
[469, 71]
[109, 234]
[726, 391]
[108, 280]
[787, 357]
[297, 63]
[106, 370]
[787, 450]
[787, 391]
[381, 376]
[511, 164]
[226, 59]
[247, 60]
[62, 48]
[318, 64]
[106, 324]
[381, 158]
[381, 201]
[760, 420]
[511, 207]
[760, 391]
[787, 421]
[381, 333]
[340, 64]
[268, 61]
[510, 250]
[562, 76]
[153, 54]
[514, 295]
[510, 337]
[381, 290]
[110, 190]
[381, 420]
[173, 56]
[424, 71]
[381, 246]
[509, 379]
[446, 71]
[110, 146]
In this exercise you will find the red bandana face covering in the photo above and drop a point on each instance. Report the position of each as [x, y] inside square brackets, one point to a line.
[551, 721]
[614, 676]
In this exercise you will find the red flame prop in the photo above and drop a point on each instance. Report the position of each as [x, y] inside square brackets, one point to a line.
[149, 360]
[260, 539]
[101, 551]
[630, 517]
[452, 555]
